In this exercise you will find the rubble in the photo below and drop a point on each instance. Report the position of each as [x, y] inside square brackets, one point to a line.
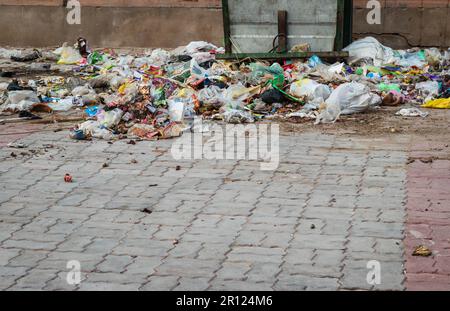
[158, 94]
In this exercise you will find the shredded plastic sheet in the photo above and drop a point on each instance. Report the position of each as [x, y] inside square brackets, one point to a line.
[412, 112]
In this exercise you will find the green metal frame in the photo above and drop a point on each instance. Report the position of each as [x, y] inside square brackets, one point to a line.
[272, 56]
[343, 37]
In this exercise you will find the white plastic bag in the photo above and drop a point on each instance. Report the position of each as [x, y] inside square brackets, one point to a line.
[412, 112]
[353, 98]
[370, 48]
[199, 46]
[330, 114]
[63, 105]
[314, 91]
[20, 101]
[176, 110]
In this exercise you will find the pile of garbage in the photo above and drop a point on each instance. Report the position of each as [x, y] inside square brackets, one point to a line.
[158, 94]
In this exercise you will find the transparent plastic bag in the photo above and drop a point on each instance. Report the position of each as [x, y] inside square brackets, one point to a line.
[110, 119]
[236, 116]
[212, 95]
[68, 55]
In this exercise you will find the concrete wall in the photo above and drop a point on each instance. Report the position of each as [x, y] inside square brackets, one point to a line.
[114, 23]
[406, 23]
[170, 23]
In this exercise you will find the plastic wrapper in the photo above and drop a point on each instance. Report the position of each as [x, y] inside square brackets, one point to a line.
[142, 131]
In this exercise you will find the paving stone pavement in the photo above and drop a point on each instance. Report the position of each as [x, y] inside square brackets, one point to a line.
[334, 204]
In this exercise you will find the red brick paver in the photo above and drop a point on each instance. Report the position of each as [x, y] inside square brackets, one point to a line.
[428, 221]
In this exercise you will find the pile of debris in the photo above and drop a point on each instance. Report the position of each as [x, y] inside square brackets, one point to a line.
[158, 94]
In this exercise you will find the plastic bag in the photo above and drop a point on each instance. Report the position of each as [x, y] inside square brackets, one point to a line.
[110, 119]
[239, 93]
[197, 71]
[383, 87]
[370, 48]
[443, 103]
[236, 116]
[329, 73]
[314, 61]
[433, 56]
[159, 57]
[412, 112]
[314, 91]
[20, 101]
[259, 70]
[64, 104]
[428, 89]
[7, 54]
[200, 46]
[408, 59]
[353, 97]
[330, 114]
[86, 93]
[68, 55]
[212, 96]
[176, 110]
[95, 129]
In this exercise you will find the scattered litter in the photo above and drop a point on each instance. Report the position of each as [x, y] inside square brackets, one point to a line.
[158, 94]
[68, 178]
[412, 112]
[17, 145]
[422, 251]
